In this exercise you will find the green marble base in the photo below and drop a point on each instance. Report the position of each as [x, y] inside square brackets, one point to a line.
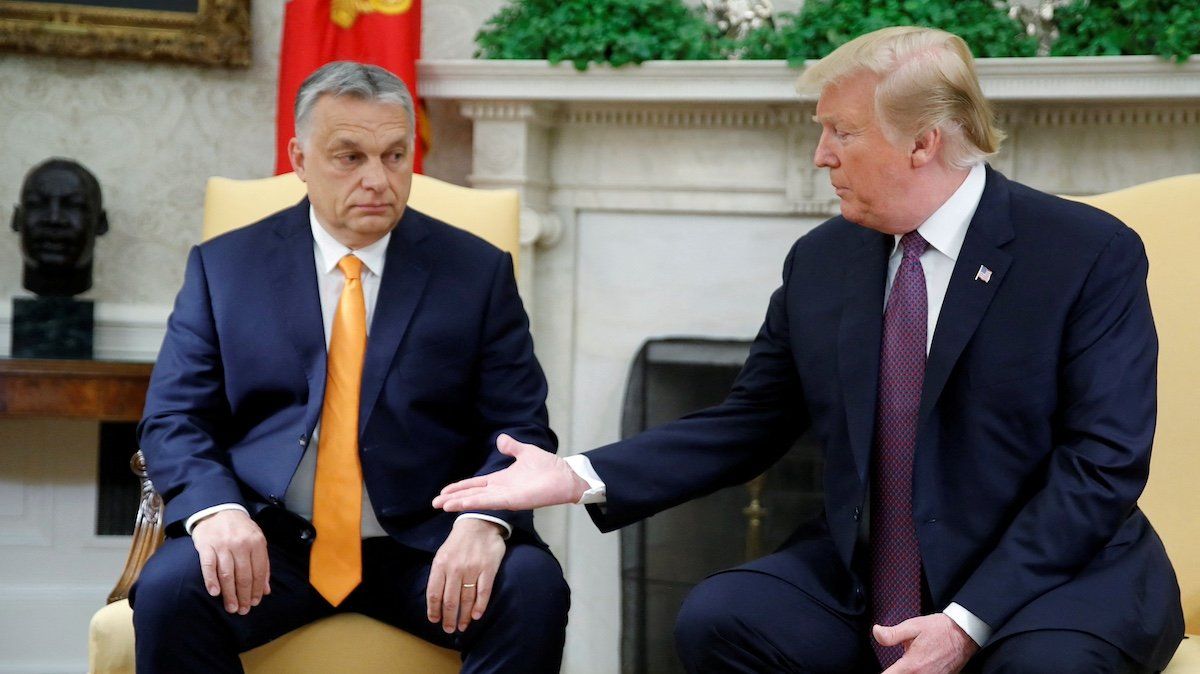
[53, 327]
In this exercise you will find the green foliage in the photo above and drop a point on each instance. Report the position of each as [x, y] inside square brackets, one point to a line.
[618, 32]
[1169, 28]
[824, 25]
[598, 31]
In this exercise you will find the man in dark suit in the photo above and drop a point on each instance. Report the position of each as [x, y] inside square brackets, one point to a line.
[270, 406]
[978, 361]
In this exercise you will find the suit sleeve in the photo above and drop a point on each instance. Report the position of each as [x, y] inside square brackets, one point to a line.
[512, 389]
[1103, 433]
[186, 408]
[718, 447]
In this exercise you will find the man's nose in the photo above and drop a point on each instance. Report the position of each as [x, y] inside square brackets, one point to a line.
[823, 157]
[374, 175]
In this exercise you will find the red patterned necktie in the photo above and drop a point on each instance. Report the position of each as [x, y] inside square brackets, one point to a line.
[895, 555]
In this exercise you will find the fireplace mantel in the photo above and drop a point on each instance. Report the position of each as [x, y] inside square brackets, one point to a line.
[626, 138]
[660, 200]
[1047, 79]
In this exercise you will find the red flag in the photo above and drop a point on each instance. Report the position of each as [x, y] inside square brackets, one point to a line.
[386, 33]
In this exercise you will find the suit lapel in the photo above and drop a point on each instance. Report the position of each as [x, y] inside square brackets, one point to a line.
[405, 275]
[293, 276]
[858, 340]
[967, 298]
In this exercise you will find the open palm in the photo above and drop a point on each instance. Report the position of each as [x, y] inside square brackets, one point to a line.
[536, 479]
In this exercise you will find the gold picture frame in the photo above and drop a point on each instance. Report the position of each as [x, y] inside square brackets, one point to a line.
[217, 33]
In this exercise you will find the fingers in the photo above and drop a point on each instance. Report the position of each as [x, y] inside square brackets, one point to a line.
[451, 596]
[478, 498]
[468, 596]
[243, 578]
[896, 634]
[261, 565]
[433, 592]
[233, 559]
[469, 483]
[226, 575]
[507, 446]
[208, 568]
[483, 593]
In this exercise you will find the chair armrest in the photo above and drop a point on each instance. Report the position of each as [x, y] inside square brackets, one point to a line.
[147, 530]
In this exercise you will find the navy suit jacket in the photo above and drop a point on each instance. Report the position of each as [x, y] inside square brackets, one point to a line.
[239, 382]
[1035, 426]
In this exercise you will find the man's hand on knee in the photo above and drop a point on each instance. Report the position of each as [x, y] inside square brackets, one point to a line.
[464, 570]
[933, 644]
[233, 559]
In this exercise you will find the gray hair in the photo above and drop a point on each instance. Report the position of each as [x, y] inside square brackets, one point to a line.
[357, 80]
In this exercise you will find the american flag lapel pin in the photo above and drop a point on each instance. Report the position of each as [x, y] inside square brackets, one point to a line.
[984, 274]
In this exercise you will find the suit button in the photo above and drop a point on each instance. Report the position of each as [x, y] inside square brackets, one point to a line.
[857, 514]
[303, 441]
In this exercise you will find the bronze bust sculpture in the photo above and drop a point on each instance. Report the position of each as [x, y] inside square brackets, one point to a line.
[59, 218]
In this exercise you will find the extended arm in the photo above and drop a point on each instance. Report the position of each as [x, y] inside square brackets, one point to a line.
[724, 445]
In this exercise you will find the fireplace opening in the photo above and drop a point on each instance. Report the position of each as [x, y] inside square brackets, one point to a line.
[663, 557]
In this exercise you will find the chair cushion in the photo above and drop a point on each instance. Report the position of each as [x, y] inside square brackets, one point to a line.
[348, 643]
[110, 640]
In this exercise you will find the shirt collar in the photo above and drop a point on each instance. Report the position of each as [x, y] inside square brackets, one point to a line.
[331, 250]
[946, 229]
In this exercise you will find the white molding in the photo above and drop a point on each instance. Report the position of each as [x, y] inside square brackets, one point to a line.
[1160, 114]
[43, 667]
[1078, 78]
[32, 593]
[26, 607]
[125, 332]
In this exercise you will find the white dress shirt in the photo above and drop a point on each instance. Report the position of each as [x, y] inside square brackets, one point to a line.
[945, 231]
[327, 252]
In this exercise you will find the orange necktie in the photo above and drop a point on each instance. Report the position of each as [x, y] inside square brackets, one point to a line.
[336, 565]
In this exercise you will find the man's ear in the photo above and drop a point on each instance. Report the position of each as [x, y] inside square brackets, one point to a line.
[296, 154]
[102, 222]
[18, 218]
[927, 147]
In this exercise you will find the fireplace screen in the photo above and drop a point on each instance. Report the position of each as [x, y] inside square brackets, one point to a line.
[663, 557]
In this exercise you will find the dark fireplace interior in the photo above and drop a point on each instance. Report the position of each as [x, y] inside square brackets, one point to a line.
[663, 557]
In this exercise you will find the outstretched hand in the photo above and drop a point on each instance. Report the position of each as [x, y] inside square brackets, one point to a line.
[536, 479]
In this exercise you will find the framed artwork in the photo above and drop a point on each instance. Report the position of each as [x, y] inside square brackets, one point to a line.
[209, 32]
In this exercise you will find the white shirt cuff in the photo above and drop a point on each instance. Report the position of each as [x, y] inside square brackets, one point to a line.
[488, 518]
[975, 628]
[582, 466]
[212, 510]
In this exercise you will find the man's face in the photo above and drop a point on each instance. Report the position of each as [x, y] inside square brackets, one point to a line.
[358, 166]
[869, 173]
[61, 219]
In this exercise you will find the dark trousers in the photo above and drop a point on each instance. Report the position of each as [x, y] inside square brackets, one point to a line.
[751, 622]
[180, 628]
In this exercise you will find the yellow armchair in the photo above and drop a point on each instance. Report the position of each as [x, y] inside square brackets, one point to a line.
[1166, 214]
[346, 643]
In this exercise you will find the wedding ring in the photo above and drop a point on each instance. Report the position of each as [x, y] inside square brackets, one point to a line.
[465, 585]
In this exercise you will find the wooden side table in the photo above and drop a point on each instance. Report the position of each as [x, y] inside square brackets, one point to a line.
[87, 389]
[77, 389]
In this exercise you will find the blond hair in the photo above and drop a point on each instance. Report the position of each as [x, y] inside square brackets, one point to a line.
[927, 81]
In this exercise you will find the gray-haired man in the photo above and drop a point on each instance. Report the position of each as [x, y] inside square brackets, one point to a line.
[324, 372]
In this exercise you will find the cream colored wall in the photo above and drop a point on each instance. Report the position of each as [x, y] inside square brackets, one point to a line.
[153, 132]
